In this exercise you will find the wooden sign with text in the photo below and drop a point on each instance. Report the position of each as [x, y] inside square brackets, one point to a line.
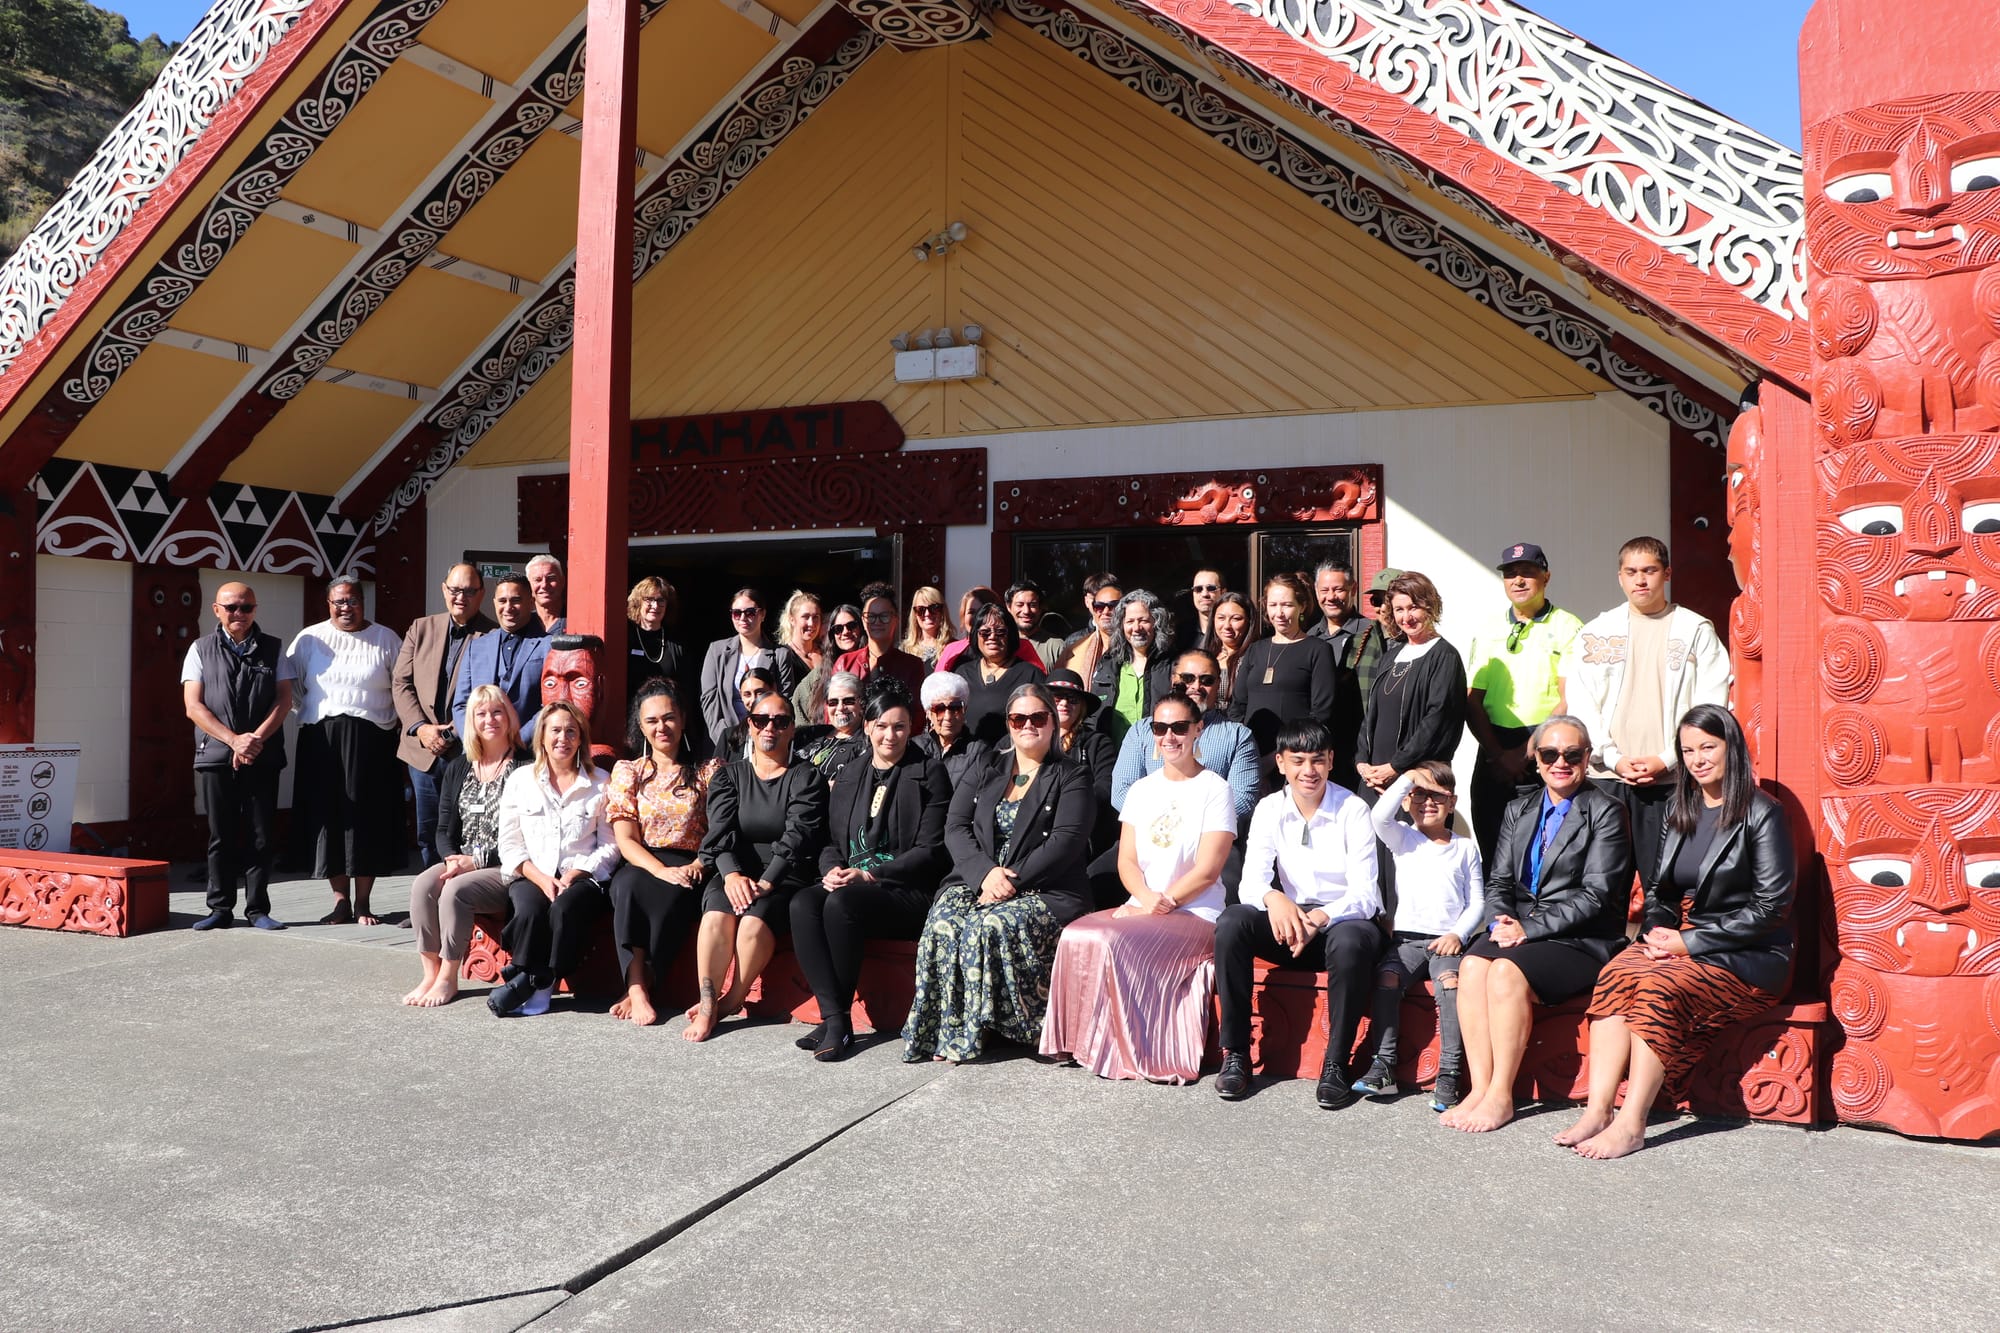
[786, 432]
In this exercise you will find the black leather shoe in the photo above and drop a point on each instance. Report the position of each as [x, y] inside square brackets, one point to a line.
[510, 995]
[835, 1042]
[1234, 1080]
[1335, 1092]
[812, 1039]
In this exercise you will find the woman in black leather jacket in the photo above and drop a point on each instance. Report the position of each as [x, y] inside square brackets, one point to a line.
[1715, 947]
[1556, 892]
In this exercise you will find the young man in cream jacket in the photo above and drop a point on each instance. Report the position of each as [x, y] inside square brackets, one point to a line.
[1631, 675]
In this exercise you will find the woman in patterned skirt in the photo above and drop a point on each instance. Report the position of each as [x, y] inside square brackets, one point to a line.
[1018, 833]
[1133, 985]
[1716, 946]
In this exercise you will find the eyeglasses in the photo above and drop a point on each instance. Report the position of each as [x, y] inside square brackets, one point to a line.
[450, 591]
[769, 721]
[745, 612]
[652, 601]
[237, 608]
[992, 631]
[1037, 719]
[1206, 587]
[879, 618]
[1190, 678]
[339, 602]
[1572, 756]
[846, 627]
[939, 710]
[842, 703]
[1180, 728]
[1102, 607]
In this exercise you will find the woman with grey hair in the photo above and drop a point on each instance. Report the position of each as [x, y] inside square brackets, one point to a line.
[1136, 671]
[828, 745]
[949, 740]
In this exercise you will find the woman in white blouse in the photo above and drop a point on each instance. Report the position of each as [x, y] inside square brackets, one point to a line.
[557, 843]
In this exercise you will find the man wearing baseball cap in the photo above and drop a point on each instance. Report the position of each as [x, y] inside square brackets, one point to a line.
[1513, 671]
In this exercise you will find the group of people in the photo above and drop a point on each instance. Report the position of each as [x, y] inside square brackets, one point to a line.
[1091, 836]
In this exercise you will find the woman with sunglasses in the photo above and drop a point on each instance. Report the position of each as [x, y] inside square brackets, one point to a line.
[1137, 668]
[1087, 745]
[993, 672]
[843, 635]
[727, 659]
[1287, 676]
[756, 683]
[930, 629]
[1715, 946]
[1416, 703]
[1556, 893]
[829, 745]
[1132, 986]
[1233, 626]
[880, 867]
[658, 807]
[947, 740]
[1018, 833]
[766, 823]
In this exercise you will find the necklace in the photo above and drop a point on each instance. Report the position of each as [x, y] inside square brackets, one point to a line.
[1395, 676]
[1271, 669]
[1023, 779]
[648, 653]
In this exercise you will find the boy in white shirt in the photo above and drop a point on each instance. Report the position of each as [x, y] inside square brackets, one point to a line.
[1439, 895]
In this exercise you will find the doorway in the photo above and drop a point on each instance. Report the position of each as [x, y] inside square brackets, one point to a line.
[706, 576]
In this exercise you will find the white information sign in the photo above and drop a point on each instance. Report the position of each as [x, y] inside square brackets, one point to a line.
[37, 796]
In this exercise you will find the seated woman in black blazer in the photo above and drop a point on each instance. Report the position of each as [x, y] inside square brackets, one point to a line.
[1716, 944]
[1556, 892]
[1018, 833]
[880, 868]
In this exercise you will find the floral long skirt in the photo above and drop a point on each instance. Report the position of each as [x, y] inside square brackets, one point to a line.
[980, 968]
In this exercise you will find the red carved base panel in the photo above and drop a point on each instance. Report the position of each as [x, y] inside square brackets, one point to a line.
[1922, 1054]
[597, 976]
[94, 895]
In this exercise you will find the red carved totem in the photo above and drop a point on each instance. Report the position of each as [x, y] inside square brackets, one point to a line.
[1902, 189]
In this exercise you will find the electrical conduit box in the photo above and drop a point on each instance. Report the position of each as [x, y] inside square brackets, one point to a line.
[915, 367]
[960, 363]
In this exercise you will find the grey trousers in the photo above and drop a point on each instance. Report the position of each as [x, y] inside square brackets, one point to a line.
[1407, 957]
[441, 910]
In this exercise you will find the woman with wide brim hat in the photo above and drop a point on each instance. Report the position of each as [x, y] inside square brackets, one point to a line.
[1086, 745]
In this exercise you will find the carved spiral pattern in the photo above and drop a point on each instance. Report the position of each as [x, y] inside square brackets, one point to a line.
[1746, 626]
[1843, 317]
[1989, 659]
[1850, 662]
[1861, 1082]
[1988, 375]
[1852, 746]
[1856, 1000]
[1986, 297]
[1846, 399]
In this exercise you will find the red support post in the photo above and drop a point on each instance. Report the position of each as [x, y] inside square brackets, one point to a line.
[600, 421]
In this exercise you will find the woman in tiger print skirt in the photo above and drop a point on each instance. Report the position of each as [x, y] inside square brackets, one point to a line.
[1716, 943]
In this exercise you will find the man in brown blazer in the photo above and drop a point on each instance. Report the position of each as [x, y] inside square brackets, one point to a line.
[426, 673]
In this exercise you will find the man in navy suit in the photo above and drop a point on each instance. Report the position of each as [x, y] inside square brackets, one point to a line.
[510, 657]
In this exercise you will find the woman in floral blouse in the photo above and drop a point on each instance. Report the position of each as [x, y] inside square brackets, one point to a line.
[658, 808]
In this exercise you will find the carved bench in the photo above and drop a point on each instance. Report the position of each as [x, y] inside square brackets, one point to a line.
[94, 895]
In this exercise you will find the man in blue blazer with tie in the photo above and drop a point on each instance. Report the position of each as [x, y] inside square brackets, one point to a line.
[510, 657]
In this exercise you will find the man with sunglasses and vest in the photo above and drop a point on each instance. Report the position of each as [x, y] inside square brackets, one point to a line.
[237, 687]
[1514, 674]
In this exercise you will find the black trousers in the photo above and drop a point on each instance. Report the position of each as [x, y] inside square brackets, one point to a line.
[548, 938]
[1348, 952]
[830, 928]
[242, 806]
[1646, 817]
[1492, 793]
[652, 915]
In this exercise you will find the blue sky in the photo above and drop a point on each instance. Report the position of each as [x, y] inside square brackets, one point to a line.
[1739, 56]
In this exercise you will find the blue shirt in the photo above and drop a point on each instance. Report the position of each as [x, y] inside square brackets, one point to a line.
[1226, 749]
[1546, 826]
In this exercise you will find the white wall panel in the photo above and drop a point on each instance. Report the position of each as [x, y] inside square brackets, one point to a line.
[83, 675]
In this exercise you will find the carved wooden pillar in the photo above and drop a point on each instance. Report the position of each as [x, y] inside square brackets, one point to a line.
[166, 618]
[1884, 521]
[401, 579]
[17, 617]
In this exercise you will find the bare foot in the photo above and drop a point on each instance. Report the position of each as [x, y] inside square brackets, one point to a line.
[639, 1008]
[701, 1026]
[1490, 1114]
[1451, 1118]
[623, 1009]
[443, 991]
[1613, 1141]
[364, 917]
[1589, 1123]
[416, 993]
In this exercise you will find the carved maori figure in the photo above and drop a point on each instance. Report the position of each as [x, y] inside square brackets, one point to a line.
[573, 673]
[1746, 560]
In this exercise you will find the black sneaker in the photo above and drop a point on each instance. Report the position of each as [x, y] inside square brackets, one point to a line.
[1445, 1093]
[510, 995]
[220, 920]
[1335, 1092]
[1379, 1081]
[1234, 1080]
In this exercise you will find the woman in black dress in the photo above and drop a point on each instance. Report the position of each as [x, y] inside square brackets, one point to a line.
[766, 821]
[651, 651]
[993, 670]
[1416, 707]
[1285, 678]
[880, 867]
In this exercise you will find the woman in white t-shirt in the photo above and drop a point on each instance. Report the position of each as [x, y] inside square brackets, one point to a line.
[1132, 988]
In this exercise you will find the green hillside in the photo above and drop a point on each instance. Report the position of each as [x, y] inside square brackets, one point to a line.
[68, 72]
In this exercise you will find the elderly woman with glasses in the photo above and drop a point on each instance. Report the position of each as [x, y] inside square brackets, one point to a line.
[1018, 832]
[948, 741]
[830, 744]
[993, 672]
[1137, 668]
[930, 630]
[1556, 893]
[728, 659]
[651, 651]
[968, 611]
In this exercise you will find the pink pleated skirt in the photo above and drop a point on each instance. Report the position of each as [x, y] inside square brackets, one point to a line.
[1131, 995]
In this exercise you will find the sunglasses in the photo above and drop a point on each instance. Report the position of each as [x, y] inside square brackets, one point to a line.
[768, 721]
[842, 703]
[1376, 598]
[939, 710]
[237, 608]
[926, 612]
[1573, 756]
[992, 632]
[846, 627]
[1517, 635]
[1206, 587]
[1425, 796]
[744, 612]
[1180, 728]
[1189, 678]
[1102, 607]
[1036, 719]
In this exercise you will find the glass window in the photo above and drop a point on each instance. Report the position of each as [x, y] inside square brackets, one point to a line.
[1303, 550]
[1059, 564]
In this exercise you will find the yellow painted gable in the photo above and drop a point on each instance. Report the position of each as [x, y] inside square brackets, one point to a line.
[1126, 269]
[155, 408]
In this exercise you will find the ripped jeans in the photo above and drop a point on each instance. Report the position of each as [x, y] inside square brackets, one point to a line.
[1407, 957]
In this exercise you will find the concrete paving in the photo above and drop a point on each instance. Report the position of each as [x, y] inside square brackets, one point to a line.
[241, 1130]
